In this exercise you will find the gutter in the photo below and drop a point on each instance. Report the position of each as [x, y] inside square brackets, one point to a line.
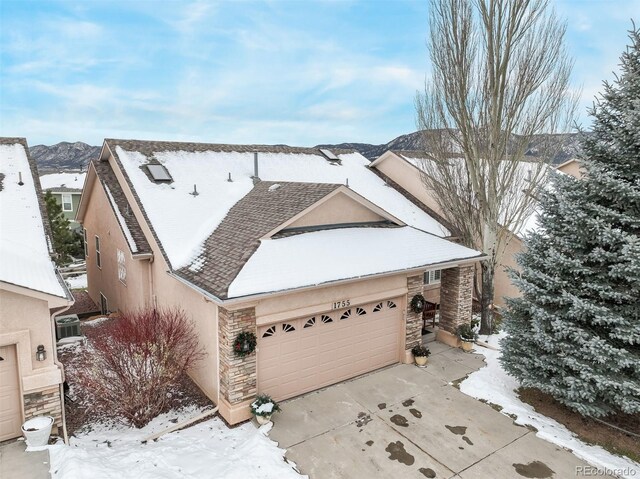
[258, 296]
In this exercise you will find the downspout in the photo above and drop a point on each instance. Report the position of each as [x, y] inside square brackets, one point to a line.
[151, 285]
[57, 362]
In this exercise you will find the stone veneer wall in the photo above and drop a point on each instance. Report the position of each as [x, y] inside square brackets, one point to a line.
[456, 296]
[237, 375]
[413, 334]
[44, 403]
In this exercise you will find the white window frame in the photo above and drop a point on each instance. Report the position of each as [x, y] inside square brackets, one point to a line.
[433, 277]
[70, 202]
[98, 257]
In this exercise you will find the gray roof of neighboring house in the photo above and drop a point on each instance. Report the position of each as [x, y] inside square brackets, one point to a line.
[233, 242]
[107, 177]
[64, 189]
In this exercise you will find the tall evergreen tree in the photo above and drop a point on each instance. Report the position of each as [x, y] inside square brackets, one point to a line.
[575, 331]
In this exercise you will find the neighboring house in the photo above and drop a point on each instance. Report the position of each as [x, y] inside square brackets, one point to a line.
[306, 248]
[66, 188]
[31, 294]
[571, 167]
[402, 170]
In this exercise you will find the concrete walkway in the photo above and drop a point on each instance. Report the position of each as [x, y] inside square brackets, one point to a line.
[16, 463]
[408, 422]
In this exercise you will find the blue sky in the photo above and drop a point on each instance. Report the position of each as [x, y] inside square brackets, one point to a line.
[295, 72]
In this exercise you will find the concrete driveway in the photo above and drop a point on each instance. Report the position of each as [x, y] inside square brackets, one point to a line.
[408, 422]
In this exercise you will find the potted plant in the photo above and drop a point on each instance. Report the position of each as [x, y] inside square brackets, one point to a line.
[263, 407]
[420, 355]
[467, 335]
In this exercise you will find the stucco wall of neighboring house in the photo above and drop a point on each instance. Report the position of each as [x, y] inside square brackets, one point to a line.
[101, 221]
[571, 168]
[25, 321]
[75, 201]
[503, 287]
[337, 210]
[408, 176]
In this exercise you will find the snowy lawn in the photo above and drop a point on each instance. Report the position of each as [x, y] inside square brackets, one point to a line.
[492, 384]
[77, 282]
[208, 449]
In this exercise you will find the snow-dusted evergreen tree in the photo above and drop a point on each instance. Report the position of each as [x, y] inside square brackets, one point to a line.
[575, 332]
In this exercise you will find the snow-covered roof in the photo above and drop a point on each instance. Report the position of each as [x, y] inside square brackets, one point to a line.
[62, 180]
[183, 221]
[24, 245]
[319, 257]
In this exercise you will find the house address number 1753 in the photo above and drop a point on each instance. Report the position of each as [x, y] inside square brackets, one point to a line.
[345, 303]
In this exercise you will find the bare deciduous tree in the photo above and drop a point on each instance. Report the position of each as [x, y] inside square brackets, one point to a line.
[500, 78]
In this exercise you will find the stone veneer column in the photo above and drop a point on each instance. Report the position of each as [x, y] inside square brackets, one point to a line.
[237, 375]
[45, 402]
[456, 296]
[413, 332]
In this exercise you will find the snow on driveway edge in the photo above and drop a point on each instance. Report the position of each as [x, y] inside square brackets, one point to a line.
[492, 384]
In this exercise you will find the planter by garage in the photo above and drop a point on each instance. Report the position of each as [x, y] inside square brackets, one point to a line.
[37, 430]
[420, 355]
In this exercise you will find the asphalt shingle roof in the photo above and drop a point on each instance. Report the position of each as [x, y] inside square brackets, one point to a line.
[237, 237]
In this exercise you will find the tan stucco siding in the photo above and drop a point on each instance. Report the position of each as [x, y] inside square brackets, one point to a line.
[408, 176]
[503, 287]
[25, 321]
[338, 209]
[100, 221]
[312, 301]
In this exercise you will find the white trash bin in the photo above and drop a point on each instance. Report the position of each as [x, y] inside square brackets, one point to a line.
[37, 430]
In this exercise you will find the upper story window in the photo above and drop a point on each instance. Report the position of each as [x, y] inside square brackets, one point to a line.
[98, 259]
[67, 202]
[432, 277]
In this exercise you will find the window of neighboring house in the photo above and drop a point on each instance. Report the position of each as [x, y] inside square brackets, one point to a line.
[67, 203]
[98, 259]
[104, 306]
[122, 269]
[86, 245]
[432, 277]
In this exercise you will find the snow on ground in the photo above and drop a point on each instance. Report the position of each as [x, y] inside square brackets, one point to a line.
[77, 282]
[183, 221]
[67, 180]
[340, 254]
[492, 384]
[208, 449]
[23, 244]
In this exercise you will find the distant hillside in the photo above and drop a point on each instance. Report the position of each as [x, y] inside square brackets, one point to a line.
[568, 146]
[64, 155]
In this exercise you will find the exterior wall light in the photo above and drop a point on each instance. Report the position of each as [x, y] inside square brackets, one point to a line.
[41, 354]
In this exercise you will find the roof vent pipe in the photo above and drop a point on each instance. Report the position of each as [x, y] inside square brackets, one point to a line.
[195, 191]
[347, 183]
[229, 179]
[256, 176]
[20, 182]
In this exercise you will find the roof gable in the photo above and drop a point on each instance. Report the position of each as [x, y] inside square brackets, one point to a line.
[227, 249]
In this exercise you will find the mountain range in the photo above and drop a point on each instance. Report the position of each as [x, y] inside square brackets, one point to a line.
[76, 156]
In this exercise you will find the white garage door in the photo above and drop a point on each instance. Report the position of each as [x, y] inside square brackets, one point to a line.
[301, 355]
[10, 406]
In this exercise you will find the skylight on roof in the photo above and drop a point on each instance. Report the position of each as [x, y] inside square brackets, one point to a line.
[329, 154]
[159, 172]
